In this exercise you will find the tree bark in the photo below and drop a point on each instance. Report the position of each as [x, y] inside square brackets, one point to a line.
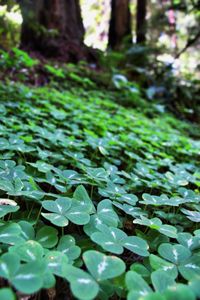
[52, 27]
[120, 24]
[141, 21]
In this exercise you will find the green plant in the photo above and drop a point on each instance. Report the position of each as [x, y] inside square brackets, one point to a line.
[83, 181]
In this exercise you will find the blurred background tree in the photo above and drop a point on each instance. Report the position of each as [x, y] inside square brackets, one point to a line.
[120, 31]
[52, 27]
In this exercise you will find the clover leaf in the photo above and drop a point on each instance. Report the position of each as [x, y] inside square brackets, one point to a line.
[188, 240]
[57, 262]
[105, 215]
[26, 278]
[10, 233]
[68, 246]
[156, 224]
[64, 209]
[136, 285]
[157, 263]
[83, 285]
[101, 267]
[161, 280]
[28, 251]
[192, 215]
[161, 200]
[7, 206]
[29, 277]
[174, 253]
[115, 240]
[181, 257]
[47, 236]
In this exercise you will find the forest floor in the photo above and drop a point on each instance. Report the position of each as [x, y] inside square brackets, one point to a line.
[90, 176]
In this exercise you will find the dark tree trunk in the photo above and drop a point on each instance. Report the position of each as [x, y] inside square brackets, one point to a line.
[141, 21]
[52, 27]
[120, 24]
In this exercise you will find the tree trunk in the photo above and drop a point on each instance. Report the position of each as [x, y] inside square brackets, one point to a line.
[141, 21]
[120, 24]
[52, 27]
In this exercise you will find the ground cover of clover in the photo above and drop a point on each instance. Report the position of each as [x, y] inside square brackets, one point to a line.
[97, 201]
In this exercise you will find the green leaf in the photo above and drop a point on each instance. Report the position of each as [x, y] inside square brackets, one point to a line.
[192, 215]
[168, 230]
[135, 283]
[188, 240]
[83, 286]
[174, 253]
[67, 246]
[194, 286]
[110, 238]
[161, 280]
[153, 296]
[47, 236]
[56, 219]
[190, 268]
[156, 224]
[77, 215]
[6, 294]
[179, 292]
[81, 195]
[103, 267]
[136, 245]
[106, 213]
[27, 231]
[9, 264]
[158, 263]
[28, 251]
[57, 262]
[60, 206]
[64, 209]
[140, 269]
[7, 206]
[10, 234]
[29, 277]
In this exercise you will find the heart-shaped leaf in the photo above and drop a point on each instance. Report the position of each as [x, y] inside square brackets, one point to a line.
[136, 284]
[179, 292]
[110, 238]
[190, 268]
[113, 239]
[106, 213]
[9, 264]
[83, 198]
[174, 253]
[10, 234]
[158, 263]
[83, 286]
[136, 245]
[156, 224]
[67, 246]
[64, 209]
[103, 267]
[28, 251]
[161, 280]
[57, 262]
[29, 277]
[47, 236]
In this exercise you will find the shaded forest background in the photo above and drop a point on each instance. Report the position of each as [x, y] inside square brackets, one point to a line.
[151, 43]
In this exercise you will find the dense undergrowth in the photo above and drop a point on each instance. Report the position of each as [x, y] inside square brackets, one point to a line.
[98, 201]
